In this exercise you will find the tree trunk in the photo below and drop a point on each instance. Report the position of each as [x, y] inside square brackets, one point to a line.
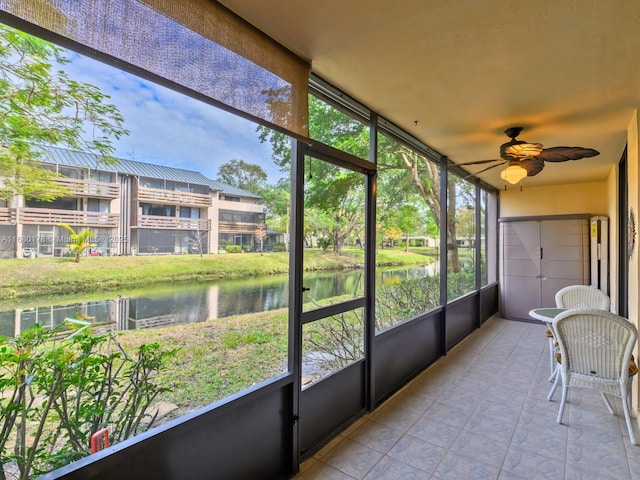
[453, 259]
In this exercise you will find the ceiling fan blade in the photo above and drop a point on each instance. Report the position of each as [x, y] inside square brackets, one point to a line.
[533, 165]
[490, 167]
[562, 154]
[479, 162]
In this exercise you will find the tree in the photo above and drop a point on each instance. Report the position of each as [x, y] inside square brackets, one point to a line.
[79, 241]
[261, 234]
[412, 172]
[466, 226]
[336, 193]
[241, 174]
[199, 241]
[338, 196]
[407, 221]
[392, 233]
[277, 199]
[40, 106]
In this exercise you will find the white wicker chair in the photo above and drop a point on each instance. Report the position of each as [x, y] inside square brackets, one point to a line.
[595, 352]
[576, 296]
[582, 296]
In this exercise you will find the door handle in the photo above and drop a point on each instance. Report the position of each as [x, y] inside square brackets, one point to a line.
[305, 289]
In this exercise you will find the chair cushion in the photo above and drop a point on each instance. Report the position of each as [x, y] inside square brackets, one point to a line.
[633, 367]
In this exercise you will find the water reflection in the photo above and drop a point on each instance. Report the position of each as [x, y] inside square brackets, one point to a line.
[176, 304]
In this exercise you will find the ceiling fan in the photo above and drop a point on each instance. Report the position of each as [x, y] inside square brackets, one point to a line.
[524, 159]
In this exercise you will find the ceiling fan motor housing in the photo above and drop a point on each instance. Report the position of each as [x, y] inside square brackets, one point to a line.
[518, 150]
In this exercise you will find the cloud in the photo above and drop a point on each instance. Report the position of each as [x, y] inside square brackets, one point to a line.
[172, 129]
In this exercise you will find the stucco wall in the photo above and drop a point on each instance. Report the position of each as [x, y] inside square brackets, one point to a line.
[591, 198]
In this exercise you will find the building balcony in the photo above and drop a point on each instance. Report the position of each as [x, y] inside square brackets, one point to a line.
[90, 188]
[238, 227]
[172, 197]
[49, 216]
[7, 215]
[173, 223]
[240, 206]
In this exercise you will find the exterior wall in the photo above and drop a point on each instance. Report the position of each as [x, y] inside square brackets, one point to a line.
[591, 198]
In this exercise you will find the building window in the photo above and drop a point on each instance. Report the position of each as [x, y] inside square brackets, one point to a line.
[158, 210]
[189, 212]
[151, 183]
[241, 217]
[57, 204]
[69, 172]
[97, 176]
[97, 205]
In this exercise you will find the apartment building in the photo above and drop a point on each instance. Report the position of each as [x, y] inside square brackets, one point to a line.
[134, 208]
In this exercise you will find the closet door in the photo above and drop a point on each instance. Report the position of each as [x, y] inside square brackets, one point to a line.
[565, 256]
[521, 268]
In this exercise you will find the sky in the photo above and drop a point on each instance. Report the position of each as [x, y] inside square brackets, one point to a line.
[171, 129]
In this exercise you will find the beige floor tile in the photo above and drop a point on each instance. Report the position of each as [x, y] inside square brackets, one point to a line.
[481, 413]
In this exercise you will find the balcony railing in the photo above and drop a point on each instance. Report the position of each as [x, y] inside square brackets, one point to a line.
[176, 223]
[173, 197]
[47, 216]
[235, 227]
[90, 188]
[7, 215]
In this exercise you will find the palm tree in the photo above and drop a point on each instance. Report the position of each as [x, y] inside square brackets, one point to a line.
[79, 241]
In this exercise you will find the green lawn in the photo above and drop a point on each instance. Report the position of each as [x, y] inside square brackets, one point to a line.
[217, 358]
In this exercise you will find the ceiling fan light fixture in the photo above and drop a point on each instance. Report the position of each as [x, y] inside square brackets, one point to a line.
[513, 173]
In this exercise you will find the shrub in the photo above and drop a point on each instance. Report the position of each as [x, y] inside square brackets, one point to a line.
[325, 243]
[233, 249]
[56, 393]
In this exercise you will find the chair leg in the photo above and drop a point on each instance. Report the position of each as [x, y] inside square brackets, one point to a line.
[552, 360]
[563, 399]
[607, 403]
[625, 395]
[627, 417]
[556, 376]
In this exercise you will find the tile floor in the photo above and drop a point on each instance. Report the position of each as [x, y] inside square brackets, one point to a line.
[481, 413]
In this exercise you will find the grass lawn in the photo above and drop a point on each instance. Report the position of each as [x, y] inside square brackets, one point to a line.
[217, 358]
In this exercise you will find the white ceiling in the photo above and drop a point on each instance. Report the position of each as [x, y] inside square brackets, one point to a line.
[568, 71]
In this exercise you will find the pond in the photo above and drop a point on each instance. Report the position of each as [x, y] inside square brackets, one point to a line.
[170, 304]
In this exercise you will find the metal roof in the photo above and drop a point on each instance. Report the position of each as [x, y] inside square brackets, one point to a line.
[76, 158]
